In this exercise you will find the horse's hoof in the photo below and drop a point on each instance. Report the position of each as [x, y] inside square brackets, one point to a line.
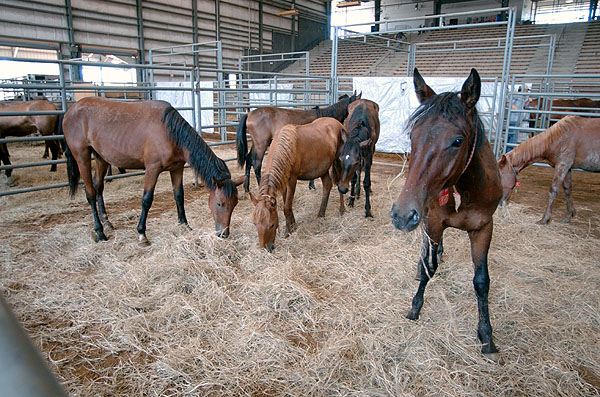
[11, 182]
[107, 225]
[97, 237]
[494, 357]
[412, 315]
[143, 241]
[543, 222]
[565, 220]
[186, 226]
[368, 215]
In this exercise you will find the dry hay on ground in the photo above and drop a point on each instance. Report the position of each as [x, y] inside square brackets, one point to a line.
[322, 315]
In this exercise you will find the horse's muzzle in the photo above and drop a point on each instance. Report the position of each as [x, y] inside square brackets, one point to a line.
[223, 233]
[343, 190]
[407, 221]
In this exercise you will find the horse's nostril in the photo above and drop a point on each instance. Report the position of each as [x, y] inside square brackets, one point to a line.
[413, 218]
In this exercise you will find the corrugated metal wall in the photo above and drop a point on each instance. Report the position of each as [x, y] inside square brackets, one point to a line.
[111, 26]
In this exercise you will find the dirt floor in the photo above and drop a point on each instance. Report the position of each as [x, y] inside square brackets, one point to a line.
[324, 314]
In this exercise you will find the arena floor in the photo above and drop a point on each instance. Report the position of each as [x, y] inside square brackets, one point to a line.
[322, 315]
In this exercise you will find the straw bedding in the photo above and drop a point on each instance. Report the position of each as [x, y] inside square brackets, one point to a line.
[323, 315]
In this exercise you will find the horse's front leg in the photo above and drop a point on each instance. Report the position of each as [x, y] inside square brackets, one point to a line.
[326, 181]
[480, 244]
[288, 199]
[336, 169]
[428, 263]
[557, 180]
[567, 183]
[177, 183]
[367, 185]
[150, 179]
[85, 170]
[54, 149]
[353, 189]
[249, 158]
[5, 158]
[257, 162]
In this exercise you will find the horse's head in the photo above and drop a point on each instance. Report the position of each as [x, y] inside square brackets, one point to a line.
[339, 110]
[266, 220]
[350, 153]
[508, 178]
[444, 134]
[221, 201]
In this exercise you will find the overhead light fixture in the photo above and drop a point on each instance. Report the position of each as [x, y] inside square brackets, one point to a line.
[292, 11]
[348, 3]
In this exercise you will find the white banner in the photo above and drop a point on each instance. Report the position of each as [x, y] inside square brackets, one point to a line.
[179, 99]
[397, 100]
[260, 99]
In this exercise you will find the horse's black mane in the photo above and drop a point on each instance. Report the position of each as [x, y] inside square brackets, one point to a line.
[358, 124]
[334, 110]
[449, 106]
[202, 159]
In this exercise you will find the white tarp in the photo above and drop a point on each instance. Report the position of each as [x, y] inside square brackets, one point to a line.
[258, 99]
[397, 100]
[179, 99]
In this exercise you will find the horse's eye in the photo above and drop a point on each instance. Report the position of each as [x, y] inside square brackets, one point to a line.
[272, 226]
[219, 204]
[458, 141]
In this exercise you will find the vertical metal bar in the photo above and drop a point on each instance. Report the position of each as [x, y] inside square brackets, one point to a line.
[510, 31]
[334, 48]
[218, 20]
[63, 91]
[221, 95]
[142, 74]
[551, 49]
[193, 96]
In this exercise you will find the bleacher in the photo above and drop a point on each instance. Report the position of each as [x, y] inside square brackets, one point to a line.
[359, 59]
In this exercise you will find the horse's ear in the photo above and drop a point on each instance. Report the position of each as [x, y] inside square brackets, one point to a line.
[471, 89]
[365, 143]
[422, 90]
[253, 199]
[502, 161]
[359, 95]
[272, 202]
[219, 183]
[238, 181]
[344, 134]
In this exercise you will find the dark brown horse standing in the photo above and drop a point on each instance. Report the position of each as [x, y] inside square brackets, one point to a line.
[148, 135]
[561, 105]
[263, 123]
[451, 154]
[362, 125]
[573, 142]
[298, 152]
[19, 126]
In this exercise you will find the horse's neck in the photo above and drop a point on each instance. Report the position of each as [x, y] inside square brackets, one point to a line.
[332, 111]
[530, 151]
[269, 185]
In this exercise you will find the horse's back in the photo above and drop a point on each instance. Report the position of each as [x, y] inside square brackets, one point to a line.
[318, 145]
[263, 123]
[369, 111]
[27, 124]
[123, 133]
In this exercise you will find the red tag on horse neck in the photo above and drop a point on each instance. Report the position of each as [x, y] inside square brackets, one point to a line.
[443, 198]
[518, 183]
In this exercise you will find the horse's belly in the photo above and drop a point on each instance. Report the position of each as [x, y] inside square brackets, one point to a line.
[591, 162]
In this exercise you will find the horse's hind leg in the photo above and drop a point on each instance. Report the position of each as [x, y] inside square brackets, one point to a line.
[177, 182]
[249, 158]
[567, 182]
[54, 148]
[257, 164]
[5, 158]
[85, 170]
[367, 185]
[101, 169]
[326, 182]
[559, 176]
[150, 179]
[480, 244]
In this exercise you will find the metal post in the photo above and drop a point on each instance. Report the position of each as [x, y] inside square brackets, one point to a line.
[334, 49]
[142, 74]
[510, 31]
[218, 20]
[221, 95]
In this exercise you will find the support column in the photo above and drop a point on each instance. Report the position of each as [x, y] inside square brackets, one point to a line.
[218, 20]
[437, 10]
[74, 51]
[293, 27]
[141, 74]
[377, 15]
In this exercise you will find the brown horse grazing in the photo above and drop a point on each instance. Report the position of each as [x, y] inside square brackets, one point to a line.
[263, 123]
[561, 105]
[453, 181]
[24, 125]
[573, 142]
[298, 152]
[362, 125]
[148, 135]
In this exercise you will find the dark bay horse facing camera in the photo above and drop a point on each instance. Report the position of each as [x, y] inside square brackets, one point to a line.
[148, 135]
[362, 125]
[298, 152]
[451, 154]
[263, 123]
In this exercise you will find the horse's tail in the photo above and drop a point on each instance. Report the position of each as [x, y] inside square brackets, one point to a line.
[241, 141]
[201, 158]
[72, 171]
[58, 130]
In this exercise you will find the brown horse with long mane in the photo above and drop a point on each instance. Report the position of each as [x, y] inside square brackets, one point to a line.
[298, 152]
[362, 125]
[263, 123]
[28, 124]
[148, 135]
[453, 181]
[573, 142]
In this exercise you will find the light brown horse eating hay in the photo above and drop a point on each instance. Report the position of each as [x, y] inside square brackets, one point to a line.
[573, 142]
[148, 135]
[263, 123]
[298, 152]
[453, 181]
[19, 126]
